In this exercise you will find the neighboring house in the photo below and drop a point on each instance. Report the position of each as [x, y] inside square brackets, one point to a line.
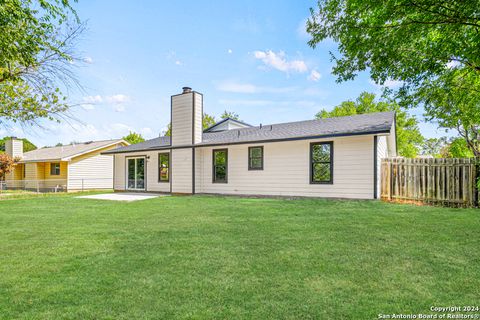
[336, 157]
[79, 166]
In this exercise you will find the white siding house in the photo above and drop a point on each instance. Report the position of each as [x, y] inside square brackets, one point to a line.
[336, 158]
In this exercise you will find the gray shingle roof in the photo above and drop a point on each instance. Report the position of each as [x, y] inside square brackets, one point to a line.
[144, 146]
[348, 125]
[62, 152]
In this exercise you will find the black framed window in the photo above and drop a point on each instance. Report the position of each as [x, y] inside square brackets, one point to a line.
[164, 167]
[321, 162]
[220, 166]
[54, 169]
[255, 158]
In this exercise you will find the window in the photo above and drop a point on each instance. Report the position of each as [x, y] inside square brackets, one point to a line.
[321, 162]
[255, 158]
[54, 169]
[220, 166]
[163, 167]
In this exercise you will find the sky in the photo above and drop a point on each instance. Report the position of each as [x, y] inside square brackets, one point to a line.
[249, 57]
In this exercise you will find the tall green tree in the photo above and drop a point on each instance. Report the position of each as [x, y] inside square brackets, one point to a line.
[456, 148]
[37, 38]
[133, 138]
[409, 138]
[208, 121]
[230, 114]
[432, 48]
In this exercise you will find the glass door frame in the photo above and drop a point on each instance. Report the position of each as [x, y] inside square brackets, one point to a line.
[144, 173]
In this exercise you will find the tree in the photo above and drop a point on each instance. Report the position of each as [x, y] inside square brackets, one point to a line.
[7, 163]
[133, 138]
[37, 40]
[431, 48]
[409, 137]
[433, 147]
[207, 122]
[230, 114]
[456, 148]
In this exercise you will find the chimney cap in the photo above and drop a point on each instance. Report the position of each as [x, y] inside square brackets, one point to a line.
[187, 89]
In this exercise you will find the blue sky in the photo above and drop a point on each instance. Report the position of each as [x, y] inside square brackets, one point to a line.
[250, 57]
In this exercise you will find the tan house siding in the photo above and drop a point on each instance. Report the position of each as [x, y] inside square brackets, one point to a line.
[198, 126]
[287, 170]
[382, 152]
[151, 167]
[182, 119]
[91, 171]
[182, 170]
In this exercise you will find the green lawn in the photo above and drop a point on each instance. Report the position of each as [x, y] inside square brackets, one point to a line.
[209, 257]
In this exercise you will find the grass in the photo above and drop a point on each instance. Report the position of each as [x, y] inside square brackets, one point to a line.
[207, 257]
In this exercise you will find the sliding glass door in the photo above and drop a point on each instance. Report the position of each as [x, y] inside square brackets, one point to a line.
[136, 173]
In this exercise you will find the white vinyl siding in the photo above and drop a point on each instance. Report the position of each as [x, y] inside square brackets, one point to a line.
[382, 152]
[198, 117]
[182, 119]
[181, 170]
[151, 171]
[287, 171]
[92, 172]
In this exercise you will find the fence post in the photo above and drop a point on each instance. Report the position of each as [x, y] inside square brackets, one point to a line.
[82, 184]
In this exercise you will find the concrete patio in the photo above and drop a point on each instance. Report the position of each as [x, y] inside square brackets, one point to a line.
[123, 196]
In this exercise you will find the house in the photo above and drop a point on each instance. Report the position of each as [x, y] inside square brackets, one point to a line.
[337, 157]
[79, 166]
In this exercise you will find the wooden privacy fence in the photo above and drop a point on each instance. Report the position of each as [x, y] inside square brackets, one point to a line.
[447, 182]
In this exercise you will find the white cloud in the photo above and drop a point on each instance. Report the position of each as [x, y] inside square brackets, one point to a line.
[117, 98]
[314, 75]
[279, 61]
[90, 101]
[178, 63]
[88, 60]
[235, 87]
[119, 108]
[93, 99]
[230, 51]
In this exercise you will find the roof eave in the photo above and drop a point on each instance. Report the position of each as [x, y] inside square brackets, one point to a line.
[40, 160]
[95, 149]
[323, 136]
